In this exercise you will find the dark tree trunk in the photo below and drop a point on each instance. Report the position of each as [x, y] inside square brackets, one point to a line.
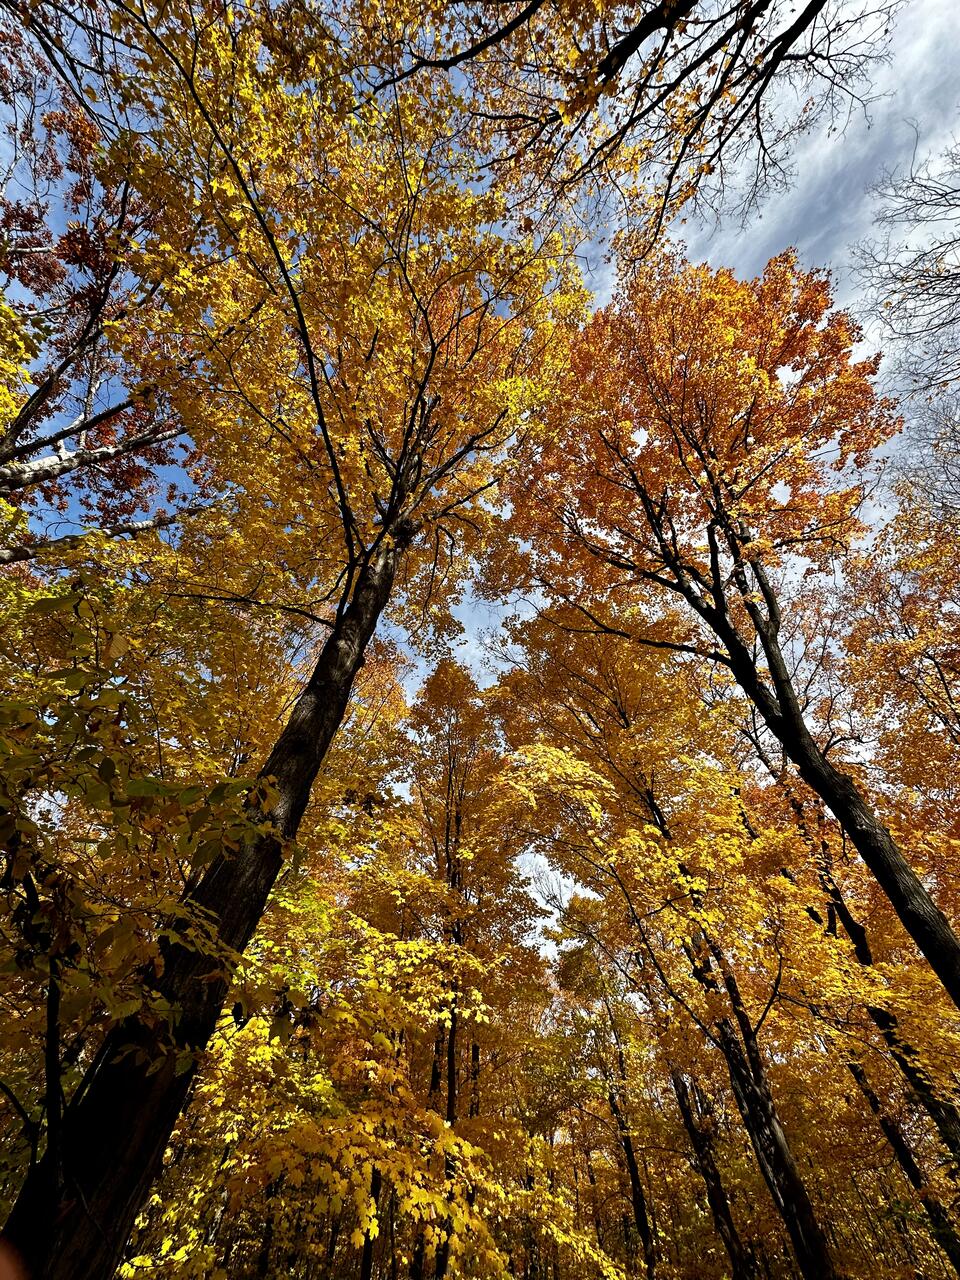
[775, 1158]
[780, 708]
[114, 1132]
[474, 1080]
[738, 1043]
[942, 1111]
[366, 1257]
[638, 1200]
[443, 1257]
[923, 920]
[332, 1243]
[452, 1062]
[443, 1249]
[941, 1226]
[436, 1068]
[394, 1256]
[743, 1264]
[418, 1259]
[594, 1198]
[266, 1242]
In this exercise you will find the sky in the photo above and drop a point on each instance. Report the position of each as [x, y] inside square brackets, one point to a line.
[828, 208]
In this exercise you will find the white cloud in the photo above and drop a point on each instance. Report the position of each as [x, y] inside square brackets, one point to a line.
[829, 207]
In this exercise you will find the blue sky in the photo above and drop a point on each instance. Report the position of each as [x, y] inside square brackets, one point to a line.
[828, 207]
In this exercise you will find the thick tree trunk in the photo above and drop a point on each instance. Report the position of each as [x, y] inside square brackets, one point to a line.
[114, 1132]
[923, 920]
[417, 1262]
[743, 1265]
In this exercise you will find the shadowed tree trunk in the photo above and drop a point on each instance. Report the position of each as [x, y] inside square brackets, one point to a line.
[743, 1265]
[366, 1258]
[942, 1111]
[474, 1080]
[443, 1249]
[638, 1200]
[594, 1198]
[941, 1227]
[781, 711]
[737, 1041]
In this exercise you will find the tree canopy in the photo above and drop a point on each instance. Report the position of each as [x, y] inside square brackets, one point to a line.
[329, 948]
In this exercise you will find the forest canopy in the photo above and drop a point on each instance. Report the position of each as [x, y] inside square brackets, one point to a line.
[337, 938]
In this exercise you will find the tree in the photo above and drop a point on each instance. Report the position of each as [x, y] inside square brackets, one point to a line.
[709, 911]
[82, 435]
[362, 370]
[267, 930]
[387, 1017]
[654, 104]
[649, 862]
[708, 457]
[912, 269]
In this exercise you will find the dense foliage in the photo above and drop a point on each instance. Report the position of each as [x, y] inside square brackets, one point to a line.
[328, 949]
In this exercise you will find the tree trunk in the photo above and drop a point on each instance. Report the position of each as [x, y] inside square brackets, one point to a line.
[474, 1080]
[366, 1258]
[594, 1198]
[941, 1111]
[452, 1061]
[738, 1043]
[417, 1262]
[641, 1218]
[775, 1158]
[443, 1249]
[923, 920]
[941, 1227]
[332, 1243]
[780, 708]
[743, 1265]
[115, 1130]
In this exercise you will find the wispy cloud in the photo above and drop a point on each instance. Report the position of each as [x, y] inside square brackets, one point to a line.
[829, 207]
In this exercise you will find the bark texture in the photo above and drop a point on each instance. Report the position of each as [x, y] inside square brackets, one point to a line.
[736, 1037]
